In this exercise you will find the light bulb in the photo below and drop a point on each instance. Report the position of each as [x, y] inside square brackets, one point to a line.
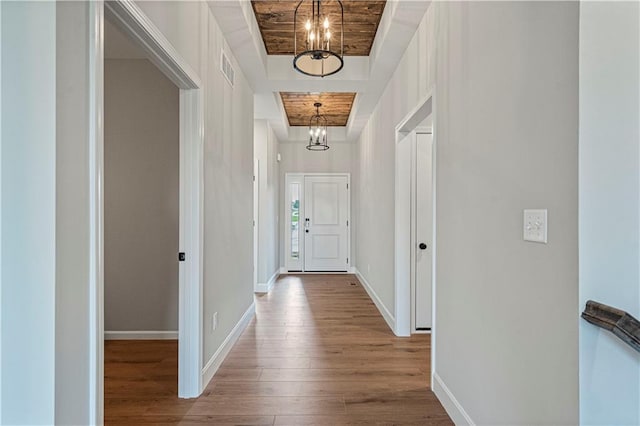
[312, 36]
[326, 23]
[324, 132]
[307, 26]
[311, 132]
[327, 35]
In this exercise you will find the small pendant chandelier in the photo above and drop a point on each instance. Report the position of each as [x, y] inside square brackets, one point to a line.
[313, 55]
[318, 131]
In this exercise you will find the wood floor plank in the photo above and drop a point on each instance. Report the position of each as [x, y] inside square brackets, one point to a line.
[317, 353]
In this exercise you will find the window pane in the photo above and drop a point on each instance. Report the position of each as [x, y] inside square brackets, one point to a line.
[295, 220]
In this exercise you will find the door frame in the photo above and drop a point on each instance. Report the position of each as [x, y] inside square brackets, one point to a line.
[403, 229]
[256, 221]
[287, 228]
[130, 19]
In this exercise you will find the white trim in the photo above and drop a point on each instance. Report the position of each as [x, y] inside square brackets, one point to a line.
[403, 217]
[450, 403]
[412, 120]
[350, 271]
[219, 356]
[391, 321]
[190, 324]
[256, 221]
[141, 335]
[0, 211]
[127, 16]
[434, 243]
[266, 287]
[96, 210]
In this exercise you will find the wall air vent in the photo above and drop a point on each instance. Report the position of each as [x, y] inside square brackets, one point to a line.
[227, 68]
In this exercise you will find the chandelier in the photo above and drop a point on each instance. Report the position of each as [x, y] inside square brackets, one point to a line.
[318, 131]
[313, 55]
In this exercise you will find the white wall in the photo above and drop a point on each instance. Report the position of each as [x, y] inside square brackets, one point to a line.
[297, 159]
[28, 215]
[265, 151]
[141, 218]
[609, 205]
[505, 77]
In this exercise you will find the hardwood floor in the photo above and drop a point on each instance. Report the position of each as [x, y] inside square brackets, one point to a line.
[317, 353]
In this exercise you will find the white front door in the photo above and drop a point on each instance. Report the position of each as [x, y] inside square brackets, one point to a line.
[326, 212]
[424, 230]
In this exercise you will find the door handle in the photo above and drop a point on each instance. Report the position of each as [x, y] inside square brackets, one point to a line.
[422, 246]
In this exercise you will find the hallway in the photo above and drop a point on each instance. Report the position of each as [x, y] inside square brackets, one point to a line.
[318, 352]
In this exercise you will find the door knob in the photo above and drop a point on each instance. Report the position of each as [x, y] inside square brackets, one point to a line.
[422, 246]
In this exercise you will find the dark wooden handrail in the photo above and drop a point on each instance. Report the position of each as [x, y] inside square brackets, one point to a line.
[620, 323]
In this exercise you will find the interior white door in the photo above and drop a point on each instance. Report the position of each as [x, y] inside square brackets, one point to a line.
[326, 213]
[424, 230]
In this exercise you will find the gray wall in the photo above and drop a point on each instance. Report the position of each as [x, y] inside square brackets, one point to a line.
[609, 205]
[505, 78]
[141, 160]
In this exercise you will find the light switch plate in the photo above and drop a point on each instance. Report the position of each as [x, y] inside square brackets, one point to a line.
[535, 226]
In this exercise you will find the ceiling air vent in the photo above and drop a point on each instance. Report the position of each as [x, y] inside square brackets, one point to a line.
[227, 68]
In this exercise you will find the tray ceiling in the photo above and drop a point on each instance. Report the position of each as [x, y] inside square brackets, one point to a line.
[361, 19]
[335, 106]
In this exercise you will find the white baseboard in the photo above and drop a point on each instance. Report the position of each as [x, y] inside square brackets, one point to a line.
[218, 357]
[450, 403]
[390, 319]
[283, 271]
[266, 287]
[141, 335]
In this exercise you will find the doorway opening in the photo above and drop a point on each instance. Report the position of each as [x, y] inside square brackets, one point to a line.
[415, 238]
[141, 217]
[137, 29]
[317, 231]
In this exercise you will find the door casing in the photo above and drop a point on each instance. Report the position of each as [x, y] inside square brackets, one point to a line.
[289, 264]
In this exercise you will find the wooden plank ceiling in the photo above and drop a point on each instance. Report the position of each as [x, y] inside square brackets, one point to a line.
[361, 19]
[335, 106]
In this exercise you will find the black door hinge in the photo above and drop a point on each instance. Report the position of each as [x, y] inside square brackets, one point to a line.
[182, 257]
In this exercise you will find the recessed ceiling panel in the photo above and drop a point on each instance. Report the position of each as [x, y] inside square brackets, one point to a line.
[335, 106]
[361, 19]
